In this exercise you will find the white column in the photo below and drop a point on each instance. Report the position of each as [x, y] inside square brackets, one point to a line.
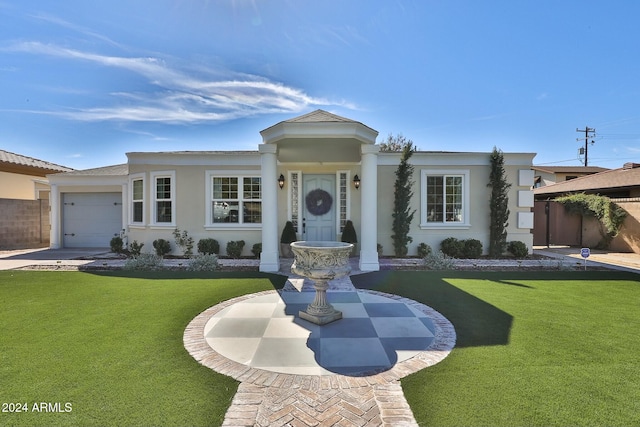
[125, 213]
[54, 217]
[369, 209]
[269, 259]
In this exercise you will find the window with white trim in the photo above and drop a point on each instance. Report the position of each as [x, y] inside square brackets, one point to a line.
[235, 200]
[163, 190]
[445, 199]
[137, 200]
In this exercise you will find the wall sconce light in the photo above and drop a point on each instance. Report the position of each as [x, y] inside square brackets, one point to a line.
[281, 181]
[356, 182]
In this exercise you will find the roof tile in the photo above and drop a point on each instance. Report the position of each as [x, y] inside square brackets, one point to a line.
[18, 159]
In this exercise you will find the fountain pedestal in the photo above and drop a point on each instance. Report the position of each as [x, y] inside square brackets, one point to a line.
[321, 262]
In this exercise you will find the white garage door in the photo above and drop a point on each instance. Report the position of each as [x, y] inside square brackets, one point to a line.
[90, 220]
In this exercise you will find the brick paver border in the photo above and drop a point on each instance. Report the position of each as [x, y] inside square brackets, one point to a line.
[260, 396]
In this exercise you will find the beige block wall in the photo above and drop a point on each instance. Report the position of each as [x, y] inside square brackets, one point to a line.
[24, 223]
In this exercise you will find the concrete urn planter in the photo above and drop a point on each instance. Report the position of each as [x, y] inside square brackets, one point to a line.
[321, 262]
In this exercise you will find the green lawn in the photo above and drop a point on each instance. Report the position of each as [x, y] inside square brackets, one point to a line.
[534, 348]
[111, 346]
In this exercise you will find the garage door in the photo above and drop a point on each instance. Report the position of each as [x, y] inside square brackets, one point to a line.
[90, 220]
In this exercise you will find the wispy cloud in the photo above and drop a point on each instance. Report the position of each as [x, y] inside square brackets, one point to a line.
[489, 117]
[632, 149]
[179, 95]
[77, 28]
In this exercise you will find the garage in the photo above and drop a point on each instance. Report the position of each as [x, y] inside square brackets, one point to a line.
[90, 220]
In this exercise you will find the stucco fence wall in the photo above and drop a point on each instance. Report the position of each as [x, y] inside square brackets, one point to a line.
[628, 240]
[24, 223]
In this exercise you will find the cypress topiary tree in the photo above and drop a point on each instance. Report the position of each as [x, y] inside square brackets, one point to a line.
[402, 213]
[287, 237]
[498, 205]
[349, 233]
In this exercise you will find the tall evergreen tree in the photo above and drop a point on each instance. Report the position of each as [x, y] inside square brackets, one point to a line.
[498, 205]
[402, 213]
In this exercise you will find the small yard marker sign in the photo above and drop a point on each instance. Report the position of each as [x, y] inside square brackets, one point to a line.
[584, 253]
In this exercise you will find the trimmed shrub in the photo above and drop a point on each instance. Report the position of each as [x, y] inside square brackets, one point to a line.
[234, 248]
[144, 262]
[203, 262]
[379, 249]
[208, 246]
[135, 248]
[452, 247]
[116, 245]
[424, 250]
[471, 248]
[256, 249]
[162, 247]
[439, 261]
[518, 249]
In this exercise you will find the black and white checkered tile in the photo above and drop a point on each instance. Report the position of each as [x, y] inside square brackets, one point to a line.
[374, 334]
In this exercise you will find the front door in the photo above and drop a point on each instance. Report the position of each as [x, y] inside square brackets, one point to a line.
[318, 199]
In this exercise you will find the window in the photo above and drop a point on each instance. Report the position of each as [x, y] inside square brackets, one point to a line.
[235, 200]
[163, 190]
[137, 200]
[444, 198]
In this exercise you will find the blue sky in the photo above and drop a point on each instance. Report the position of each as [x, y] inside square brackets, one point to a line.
[84, 82]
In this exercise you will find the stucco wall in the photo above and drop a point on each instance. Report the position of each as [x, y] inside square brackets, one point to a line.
[190, 202]
[191, 199]
[629, 237]
[18, 186]
[479, 195]
[24, 223]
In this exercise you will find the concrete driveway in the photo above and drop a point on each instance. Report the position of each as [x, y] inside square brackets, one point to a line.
[10, 260]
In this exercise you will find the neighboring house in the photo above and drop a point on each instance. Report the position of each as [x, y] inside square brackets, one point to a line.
[553, 226]
[614, 183]
[25, 178]
[547, 175]
[317, 170]
[24, 200]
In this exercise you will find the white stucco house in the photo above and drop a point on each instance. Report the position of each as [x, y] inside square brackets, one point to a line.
[317, 170]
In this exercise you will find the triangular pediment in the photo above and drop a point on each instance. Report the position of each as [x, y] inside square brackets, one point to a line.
[319, 124]
[319, 116]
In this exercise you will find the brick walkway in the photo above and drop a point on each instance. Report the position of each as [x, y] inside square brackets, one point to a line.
[376, 405]
[266, 398]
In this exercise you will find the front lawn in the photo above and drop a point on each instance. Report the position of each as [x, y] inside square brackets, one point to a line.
[111, 347]
[534, 348]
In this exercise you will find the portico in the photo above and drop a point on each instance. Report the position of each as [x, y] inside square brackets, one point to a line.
[319, 154]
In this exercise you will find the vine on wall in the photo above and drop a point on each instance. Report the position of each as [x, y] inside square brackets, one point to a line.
[610, 215]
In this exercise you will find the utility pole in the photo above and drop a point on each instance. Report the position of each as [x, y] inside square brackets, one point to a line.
[586, 131]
